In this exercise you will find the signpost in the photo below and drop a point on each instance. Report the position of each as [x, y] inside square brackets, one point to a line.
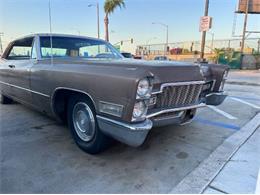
[205, 24]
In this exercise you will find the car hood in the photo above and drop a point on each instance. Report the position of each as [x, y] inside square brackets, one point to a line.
[163, 71]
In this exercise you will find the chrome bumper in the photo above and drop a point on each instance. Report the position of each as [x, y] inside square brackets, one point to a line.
[215, 98]
[130, 134]
[134, 134]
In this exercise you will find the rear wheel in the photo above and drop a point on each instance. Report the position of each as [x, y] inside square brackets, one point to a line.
[83, 125]
[5, 100]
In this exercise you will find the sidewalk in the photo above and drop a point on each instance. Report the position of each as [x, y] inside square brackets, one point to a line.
[240, 173]
[244, 77]
[231, 168]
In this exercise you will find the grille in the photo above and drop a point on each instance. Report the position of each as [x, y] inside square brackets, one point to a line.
[178, 96]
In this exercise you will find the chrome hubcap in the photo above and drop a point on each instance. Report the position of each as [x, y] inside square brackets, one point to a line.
[83, 121]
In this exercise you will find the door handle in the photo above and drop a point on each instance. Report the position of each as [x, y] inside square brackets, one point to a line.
[11, 66]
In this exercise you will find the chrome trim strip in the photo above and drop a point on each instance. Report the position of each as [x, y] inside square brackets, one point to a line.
[145, 125]
[169, 117]
[36, 92]
[177, 84]
[217, 93]
[176, 109]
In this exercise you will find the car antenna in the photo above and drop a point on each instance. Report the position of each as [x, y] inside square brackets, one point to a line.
[50, 25]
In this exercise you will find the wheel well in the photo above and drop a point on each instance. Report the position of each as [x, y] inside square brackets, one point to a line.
[60, 102]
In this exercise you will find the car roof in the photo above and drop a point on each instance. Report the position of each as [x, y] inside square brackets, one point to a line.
[57, 35]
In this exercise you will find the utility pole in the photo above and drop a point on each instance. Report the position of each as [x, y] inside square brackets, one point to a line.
[204, 32]
[244, 29]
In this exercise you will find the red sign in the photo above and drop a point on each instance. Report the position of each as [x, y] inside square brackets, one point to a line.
[205, 23]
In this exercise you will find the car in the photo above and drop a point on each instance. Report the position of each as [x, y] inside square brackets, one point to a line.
[87, 84]
[161, 58]
[127, 55]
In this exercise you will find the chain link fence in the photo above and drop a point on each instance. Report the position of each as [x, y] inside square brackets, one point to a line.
[193, 47]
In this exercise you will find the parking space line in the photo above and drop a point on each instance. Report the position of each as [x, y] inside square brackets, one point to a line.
[257, 190]
[227, 115]
[219, 124]
[244, 102]
[246, 98]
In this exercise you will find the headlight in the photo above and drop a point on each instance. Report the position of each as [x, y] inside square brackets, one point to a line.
[140, 110]
[204, 70]
[144, 88]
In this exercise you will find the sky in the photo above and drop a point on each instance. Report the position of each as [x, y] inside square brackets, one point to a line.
[23, 17]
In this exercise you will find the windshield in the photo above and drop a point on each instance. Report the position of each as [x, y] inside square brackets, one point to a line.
[77, 47]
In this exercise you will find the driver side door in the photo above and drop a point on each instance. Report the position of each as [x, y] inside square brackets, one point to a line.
[19, 61]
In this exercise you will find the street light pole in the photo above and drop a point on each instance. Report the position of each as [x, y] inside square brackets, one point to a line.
[167, 34]
[98, 25]
[204, 32]
[98, 28]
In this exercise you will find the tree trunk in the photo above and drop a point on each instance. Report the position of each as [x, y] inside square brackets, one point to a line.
[106, 28]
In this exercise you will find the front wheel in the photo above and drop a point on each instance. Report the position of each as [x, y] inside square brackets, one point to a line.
[83, 125]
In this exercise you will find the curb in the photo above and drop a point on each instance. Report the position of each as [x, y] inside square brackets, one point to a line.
[242, 83]
[198, 180]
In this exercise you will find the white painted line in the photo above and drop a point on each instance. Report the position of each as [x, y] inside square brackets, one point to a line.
[244, 102]
[227, 115]
[257, 190]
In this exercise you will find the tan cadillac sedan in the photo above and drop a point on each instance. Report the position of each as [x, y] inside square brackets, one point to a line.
[99, 94]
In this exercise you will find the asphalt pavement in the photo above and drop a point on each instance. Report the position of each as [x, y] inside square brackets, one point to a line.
[38, 155]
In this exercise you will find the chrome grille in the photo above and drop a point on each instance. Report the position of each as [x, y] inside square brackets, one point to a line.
[178, 96]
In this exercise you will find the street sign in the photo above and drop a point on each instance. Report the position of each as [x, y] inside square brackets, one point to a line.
[205, 23]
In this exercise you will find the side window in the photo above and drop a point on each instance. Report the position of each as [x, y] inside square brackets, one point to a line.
[21, 49]
[57, 50]
[93, 50]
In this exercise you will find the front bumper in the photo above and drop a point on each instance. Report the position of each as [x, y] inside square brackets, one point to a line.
[215, 98]
[130, 134]
[134, 134]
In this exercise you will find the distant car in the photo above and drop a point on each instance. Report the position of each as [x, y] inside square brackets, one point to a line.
[127, 55]
[137, 57]
[162, 58]
[87, 83]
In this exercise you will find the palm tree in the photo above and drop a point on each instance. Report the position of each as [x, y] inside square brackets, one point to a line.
[109, 8]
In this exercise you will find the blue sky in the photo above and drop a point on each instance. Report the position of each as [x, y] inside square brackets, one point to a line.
[22, 17]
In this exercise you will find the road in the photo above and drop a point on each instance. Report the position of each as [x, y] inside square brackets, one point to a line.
[39, 156]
